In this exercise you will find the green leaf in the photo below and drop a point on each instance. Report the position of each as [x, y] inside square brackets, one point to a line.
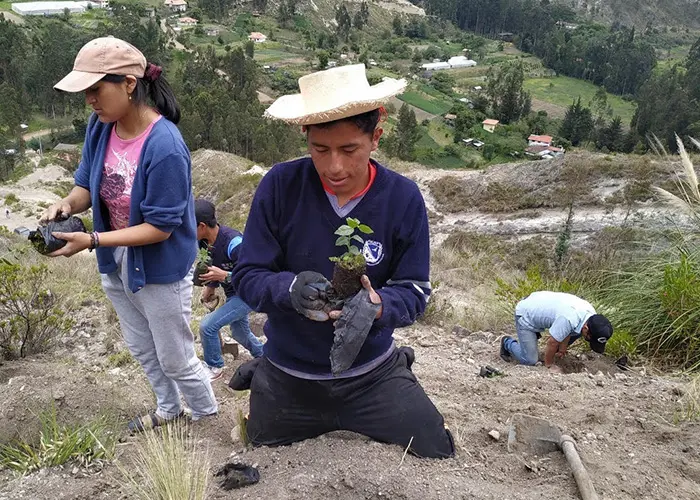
[342, 241]
[344, 231]
[354, 251]
[353, 223]
[358, 239]
[365, 229]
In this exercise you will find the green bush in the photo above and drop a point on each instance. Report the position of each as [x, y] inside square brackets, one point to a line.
[59, 444]
[658, 300]
[32, 318]
[512, 292]
[11, 199]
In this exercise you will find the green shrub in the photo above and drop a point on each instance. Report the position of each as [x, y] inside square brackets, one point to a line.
[121, 358]
[59, 444]
[32, 318]
[11, 199]
[513, 292]
[621, 343]
[659, 301]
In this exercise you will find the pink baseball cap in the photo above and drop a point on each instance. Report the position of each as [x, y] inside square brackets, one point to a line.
[100, 57]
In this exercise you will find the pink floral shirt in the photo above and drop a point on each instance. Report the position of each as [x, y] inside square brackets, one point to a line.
[121, 162]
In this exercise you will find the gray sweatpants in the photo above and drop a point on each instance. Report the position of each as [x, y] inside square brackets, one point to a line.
[155, 323]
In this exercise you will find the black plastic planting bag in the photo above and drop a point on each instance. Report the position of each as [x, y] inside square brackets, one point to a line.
[43, 240]
[351, 329]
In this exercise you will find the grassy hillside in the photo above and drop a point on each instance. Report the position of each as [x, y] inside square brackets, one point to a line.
[562, 91]
[640, 12]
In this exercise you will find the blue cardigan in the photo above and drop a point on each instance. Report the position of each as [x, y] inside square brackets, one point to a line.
[161, 196]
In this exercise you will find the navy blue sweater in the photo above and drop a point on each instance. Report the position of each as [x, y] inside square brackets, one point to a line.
[161, 196]
[290, 229]
[224, 254]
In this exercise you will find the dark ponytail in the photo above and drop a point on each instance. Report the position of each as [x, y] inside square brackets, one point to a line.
[155, 87]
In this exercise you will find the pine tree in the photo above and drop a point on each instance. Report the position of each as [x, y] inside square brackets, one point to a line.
[397, 26]
[578, 124]
[344, 23]
[508, 98]
[407, 133]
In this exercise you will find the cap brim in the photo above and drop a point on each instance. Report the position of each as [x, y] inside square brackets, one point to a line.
[291, 109]
[77, 81]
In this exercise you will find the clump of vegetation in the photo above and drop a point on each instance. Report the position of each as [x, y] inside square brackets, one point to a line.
[202, 266]
[32, 317]
[11, 199]
[658, 298]
[351, 265]
[168, 466]
[86, 444]
[121, 358]
[689, 410]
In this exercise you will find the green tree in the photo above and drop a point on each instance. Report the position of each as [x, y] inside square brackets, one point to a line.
[407, 133]
[343, 21]
[509, 101]
[397, 26]
[358, 21]
[250, 49]
[612, 137]
[577, 126]
[322, 59]
[286, 11]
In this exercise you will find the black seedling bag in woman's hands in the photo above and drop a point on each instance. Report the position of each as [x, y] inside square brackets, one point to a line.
[43, 240]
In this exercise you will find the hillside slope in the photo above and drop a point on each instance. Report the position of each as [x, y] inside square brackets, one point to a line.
[681, 13]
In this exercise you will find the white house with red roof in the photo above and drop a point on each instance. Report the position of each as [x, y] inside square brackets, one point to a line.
[490, 125]
[257, 37]
[539, 140]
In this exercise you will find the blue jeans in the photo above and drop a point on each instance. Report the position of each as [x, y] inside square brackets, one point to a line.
[235, 314]
[525, 348]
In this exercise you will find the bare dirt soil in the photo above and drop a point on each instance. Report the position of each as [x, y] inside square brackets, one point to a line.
[622, 422]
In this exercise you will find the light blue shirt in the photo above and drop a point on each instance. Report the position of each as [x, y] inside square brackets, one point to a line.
[564, 314]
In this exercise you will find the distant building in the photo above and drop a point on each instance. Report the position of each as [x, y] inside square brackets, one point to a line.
[539, 140]
[332, 64]
[460, 62]
[187, 22]
[451, 63]
[55, 8]
[450, 119]
[176, 5]
[212, 32]
[478, 88]
[544, 152]
[490, 125]
[257, 37]
[506, 36]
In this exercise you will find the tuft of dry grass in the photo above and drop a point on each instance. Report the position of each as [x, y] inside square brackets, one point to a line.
[689, 410]
[168, 466]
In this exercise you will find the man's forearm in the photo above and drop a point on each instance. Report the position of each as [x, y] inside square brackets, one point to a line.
[549, 352]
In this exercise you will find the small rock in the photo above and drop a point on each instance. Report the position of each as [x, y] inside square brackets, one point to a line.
[348, 482]
[591, 436]
[75, 471]
[495, 435]
[115, 371]
[58, 395]
[599, 383]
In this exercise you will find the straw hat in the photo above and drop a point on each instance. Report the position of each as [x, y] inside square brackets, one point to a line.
[334, 94]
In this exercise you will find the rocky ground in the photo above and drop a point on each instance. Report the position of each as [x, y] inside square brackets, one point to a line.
[624, 422]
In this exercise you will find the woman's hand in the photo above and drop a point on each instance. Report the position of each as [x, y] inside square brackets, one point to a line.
[60, 208]
[77, 242]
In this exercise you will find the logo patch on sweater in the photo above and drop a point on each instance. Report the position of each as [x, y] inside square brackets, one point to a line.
[373, 252]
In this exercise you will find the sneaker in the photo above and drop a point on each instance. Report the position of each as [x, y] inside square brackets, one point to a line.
[505, 354]
[151, 421]
[214, 372]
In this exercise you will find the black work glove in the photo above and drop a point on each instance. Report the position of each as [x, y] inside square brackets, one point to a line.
[236, 475]
[308, 294]
[351, 330]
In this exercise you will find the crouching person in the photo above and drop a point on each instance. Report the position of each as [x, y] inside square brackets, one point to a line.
[224, 243]
[283, 270]
[568, 319]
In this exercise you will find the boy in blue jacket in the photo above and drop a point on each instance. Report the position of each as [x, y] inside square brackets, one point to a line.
[285, 264]
[224, 244]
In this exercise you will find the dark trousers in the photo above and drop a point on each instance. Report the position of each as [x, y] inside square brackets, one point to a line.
[387, 404]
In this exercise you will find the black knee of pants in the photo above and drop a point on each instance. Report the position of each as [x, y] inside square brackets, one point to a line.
[387, 404]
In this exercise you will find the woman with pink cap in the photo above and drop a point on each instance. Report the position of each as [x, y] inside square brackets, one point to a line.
[135, 174]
